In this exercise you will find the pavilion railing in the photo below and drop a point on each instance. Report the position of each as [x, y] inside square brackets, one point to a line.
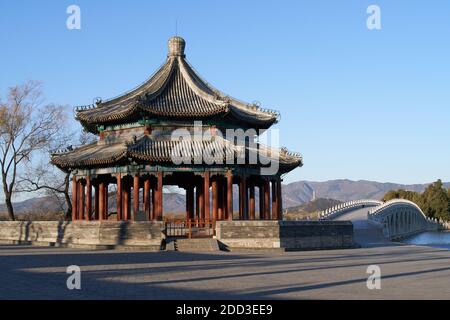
[200, 228]
[191, 228]
[175, 227]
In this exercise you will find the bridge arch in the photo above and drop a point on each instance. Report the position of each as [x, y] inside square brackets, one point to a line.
[401, 218]
[397, 218]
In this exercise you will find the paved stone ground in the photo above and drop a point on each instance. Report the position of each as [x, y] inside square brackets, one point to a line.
[408, 272]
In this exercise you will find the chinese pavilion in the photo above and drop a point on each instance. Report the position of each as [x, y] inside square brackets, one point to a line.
[135, 151]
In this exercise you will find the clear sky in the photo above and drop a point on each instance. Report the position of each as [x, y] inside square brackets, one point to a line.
[357, 103]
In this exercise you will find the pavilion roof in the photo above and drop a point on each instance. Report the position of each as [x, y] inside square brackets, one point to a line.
[174, 91]
[104, 154]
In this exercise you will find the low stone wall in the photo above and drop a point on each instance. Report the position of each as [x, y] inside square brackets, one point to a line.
[287, 235]
[148, 235]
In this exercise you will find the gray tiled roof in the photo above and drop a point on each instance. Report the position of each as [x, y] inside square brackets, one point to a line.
[162, 151]
[178, 99]
[94, 154]
[175, 90]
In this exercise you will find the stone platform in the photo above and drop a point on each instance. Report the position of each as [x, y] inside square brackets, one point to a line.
[88, 235]
[231, 235]
[285, 235]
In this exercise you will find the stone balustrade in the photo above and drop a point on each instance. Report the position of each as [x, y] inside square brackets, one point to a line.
[336, 211]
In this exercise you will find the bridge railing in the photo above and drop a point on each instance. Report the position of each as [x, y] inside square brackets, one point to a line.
[393, 215]
[380, 209]
[337, 210]
[377, 213]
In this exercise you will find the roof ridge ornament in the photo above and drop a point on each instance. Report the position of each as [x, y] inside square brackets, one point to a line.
[97, 101]
[176, 47]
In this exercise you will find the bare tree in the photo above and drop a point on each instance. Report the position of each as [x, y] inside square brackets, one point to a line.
[27, 125]
[86, 137]
[52, 181]
[46, 177]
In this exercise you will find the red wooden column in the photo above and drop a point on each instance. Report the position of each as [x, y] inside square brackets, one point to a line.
[159, 197]
[197, 202]
[135, 196]
[230, 196]
[241, 204]
[96, 201]
[153, 200]
[101, 201]
[279, 200]
[266, 200]
[206, 196]
[81, 200]
[224, 198]
[105, 213]
[74, 198]
[88, 199]
[252, 201]
[261, 200]
[274, 200]
[119, 197]
[201, 196]
[126, 199]
[220, 197]
[215, 199]
[146, 197]
[189, 203]
[243, 199]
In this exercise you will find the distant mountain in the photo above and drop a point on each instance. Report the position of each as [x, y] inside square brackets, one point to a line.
[313, 206]
[300, 192]
[309, 210]
[294, 194]
[173, 202]
[38, 205]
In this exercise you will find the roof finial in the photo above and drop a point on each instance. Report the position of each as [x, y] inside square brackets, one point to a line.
[176, 46]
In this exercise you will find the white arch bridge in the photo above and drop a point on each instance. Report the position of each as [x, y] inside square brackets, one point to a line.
[376, 221]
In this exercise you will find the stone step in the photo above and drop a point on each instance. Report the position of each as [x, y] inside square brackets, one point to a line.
[197, 245]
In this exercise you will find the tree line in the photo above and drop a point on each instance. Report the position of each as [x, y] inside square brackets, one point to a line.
[434, 201]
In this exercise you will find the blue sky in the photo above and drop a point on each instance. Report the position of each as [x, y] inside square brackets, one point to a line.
[358, 104]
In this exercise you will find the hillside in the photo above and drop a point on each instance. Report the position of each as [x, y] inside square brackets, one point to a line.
[313, 206]
[309, 210]
[300, 192]
[294, 194]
